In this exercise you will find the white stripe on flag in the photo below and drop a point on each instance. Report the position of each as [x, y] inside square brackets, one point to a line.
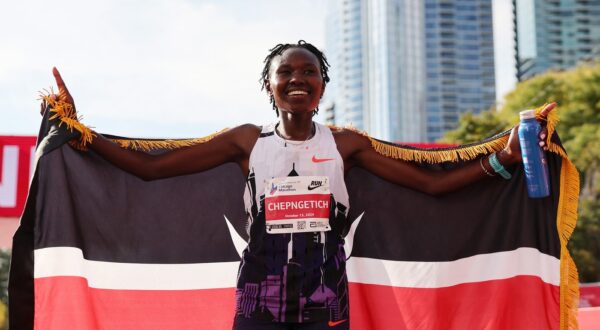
[68, 261]
[478, 268]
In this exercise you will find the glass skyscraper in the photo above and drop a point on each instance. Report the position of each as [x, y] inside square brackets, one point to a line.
[346, 52]
[459, 62]
[555, 34]
[403, 70]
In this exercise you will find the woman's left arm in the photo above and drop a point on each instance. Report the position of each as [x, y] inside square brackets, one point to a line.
[357, 151]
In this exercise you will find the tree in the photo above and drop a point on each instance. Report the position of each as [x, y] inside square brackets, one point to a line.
[4, 263]
[577, 93]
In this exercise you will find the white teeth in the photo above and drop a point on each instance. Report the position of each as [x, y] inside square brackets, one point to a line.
[297, 93]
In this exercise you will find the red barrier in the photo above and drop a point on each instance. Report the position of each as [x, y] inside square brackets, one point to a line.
[17, 156]
[589, 295]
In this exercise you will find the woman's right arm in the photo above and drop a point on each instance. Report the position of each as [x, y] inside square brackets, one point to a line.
[233, 145]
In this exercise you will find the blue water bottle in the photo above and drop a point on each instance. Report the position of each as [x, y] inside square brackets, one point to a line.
[534, 159]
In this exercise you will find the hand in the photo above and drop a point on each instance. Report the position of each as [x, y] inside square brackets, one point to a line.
[63, 93]
[512, 152]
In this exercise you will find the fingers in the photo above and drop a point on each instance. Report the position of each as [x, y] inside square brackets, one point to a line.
[63, 92]
[544, 113]
[544, 132]
[59, 81]
[62, 88]
[542, 137]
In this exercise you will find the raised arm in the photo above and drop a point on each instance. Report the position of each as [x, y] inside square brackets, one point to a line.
[356, 150]
[233, 145]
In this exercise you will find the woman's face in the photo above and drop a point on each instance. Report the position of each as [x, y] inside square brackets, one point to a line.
[295, 81]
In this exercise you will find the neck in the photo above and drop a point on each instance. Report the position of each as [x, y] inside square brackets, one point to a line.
[296, 127]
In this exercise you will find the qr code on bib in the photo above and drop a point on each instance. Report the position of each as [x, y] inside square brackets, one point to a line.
[301, 225]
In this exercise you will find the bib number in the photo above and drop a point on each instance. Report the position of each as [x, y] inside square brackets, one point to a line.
[297, 204]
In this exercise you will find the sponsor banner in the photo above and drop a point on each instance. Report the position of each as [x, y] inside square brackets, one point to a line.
[17, 161]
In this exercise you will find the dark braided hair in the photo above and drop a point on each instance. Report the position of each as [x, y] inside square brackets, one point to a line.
[278, 50]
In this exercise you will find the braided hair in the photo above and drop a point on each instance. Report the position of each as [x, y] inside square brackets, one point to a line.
[278, 50]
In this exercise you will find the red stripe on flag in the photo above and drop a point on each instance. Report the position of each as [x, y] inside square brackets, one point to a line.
[522, 302]
[64, 302]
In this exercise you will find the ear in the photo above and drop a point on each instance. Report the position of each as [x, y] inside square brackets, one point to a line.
[268, 87]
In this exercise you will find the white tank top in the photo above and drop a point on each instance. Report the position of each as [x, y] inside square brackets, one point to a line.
[274, 157]
[293, 269]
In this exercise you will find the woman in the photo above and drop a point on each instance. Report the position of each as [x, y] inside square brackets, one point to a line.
[292, 273]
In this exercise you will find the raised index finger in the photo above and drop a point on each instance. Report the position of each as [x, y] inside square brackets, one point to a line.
[59, 81]
[544, 113]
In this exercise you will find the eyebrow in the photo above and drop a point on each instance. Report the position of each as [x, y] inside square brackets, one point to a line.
[304, 65]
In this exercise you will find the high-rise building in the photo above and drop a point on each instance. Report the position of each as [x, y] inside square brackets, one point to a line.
[404, 70]
[346, 52]
[555, 34]
[459, 62]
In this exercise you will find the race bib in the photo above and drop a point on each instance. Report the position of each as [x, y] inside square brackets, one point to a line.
[297, 204]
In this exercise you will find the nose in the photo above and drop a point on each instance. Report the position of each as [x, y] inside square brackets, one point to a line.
[297, 78]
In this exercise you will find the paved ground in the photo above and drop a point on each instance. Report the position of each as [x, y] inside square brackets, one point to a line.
[589, 318]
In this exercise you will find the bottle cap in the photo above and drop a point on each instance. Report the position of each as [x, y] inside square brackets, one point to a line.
[527, 114]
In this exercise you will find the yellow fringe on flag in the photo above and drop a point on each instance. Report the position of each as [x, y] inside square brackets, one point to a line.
[149, 144]
[565, 223]
[454, 154]
[66, 114]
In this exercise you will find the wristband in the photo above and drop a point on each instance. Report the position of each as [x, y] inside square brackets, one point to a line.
[498, 168]
[484, 169]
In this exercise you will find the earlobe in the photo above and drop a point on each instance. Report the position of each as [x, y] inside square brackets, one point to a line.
[268, 88]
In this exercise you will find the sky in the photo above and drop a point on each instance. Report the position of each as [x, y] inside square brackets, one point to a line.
[158, 68]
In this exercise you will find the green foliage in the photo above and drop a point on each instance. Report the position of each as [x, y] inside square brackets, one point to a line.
[473, 128]
[3, 316]
[577, 93]
[585, 242]
[4, 263]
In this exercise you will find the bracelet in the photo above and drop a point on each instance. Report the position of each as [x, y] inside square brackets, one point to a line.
[498, 168]
[483, 168]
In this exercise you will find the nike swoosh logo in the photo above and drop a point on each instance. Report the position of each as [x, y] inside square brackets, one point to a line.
[320, 160]
[333, 324]
[314, 187]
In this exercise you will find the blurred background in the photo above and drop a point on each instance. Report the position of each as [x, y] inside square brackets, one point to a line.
[409, 71]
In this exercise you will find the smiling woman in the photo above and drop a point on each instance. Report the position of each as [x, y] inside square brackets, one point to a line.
[311, 63]
[293, 271]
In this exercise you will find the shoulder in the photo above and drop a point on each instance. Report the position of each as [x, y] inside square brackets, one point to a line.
[349, 141]
[349, 136]
[243, 136]
[246, 129]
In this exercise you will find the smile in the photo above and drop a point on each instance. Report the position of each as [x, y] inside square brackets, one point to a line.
[296, 92]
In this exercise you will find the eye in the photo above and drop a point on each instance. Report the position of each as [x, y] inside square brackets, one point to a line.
[284, 72]
[309, 71]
